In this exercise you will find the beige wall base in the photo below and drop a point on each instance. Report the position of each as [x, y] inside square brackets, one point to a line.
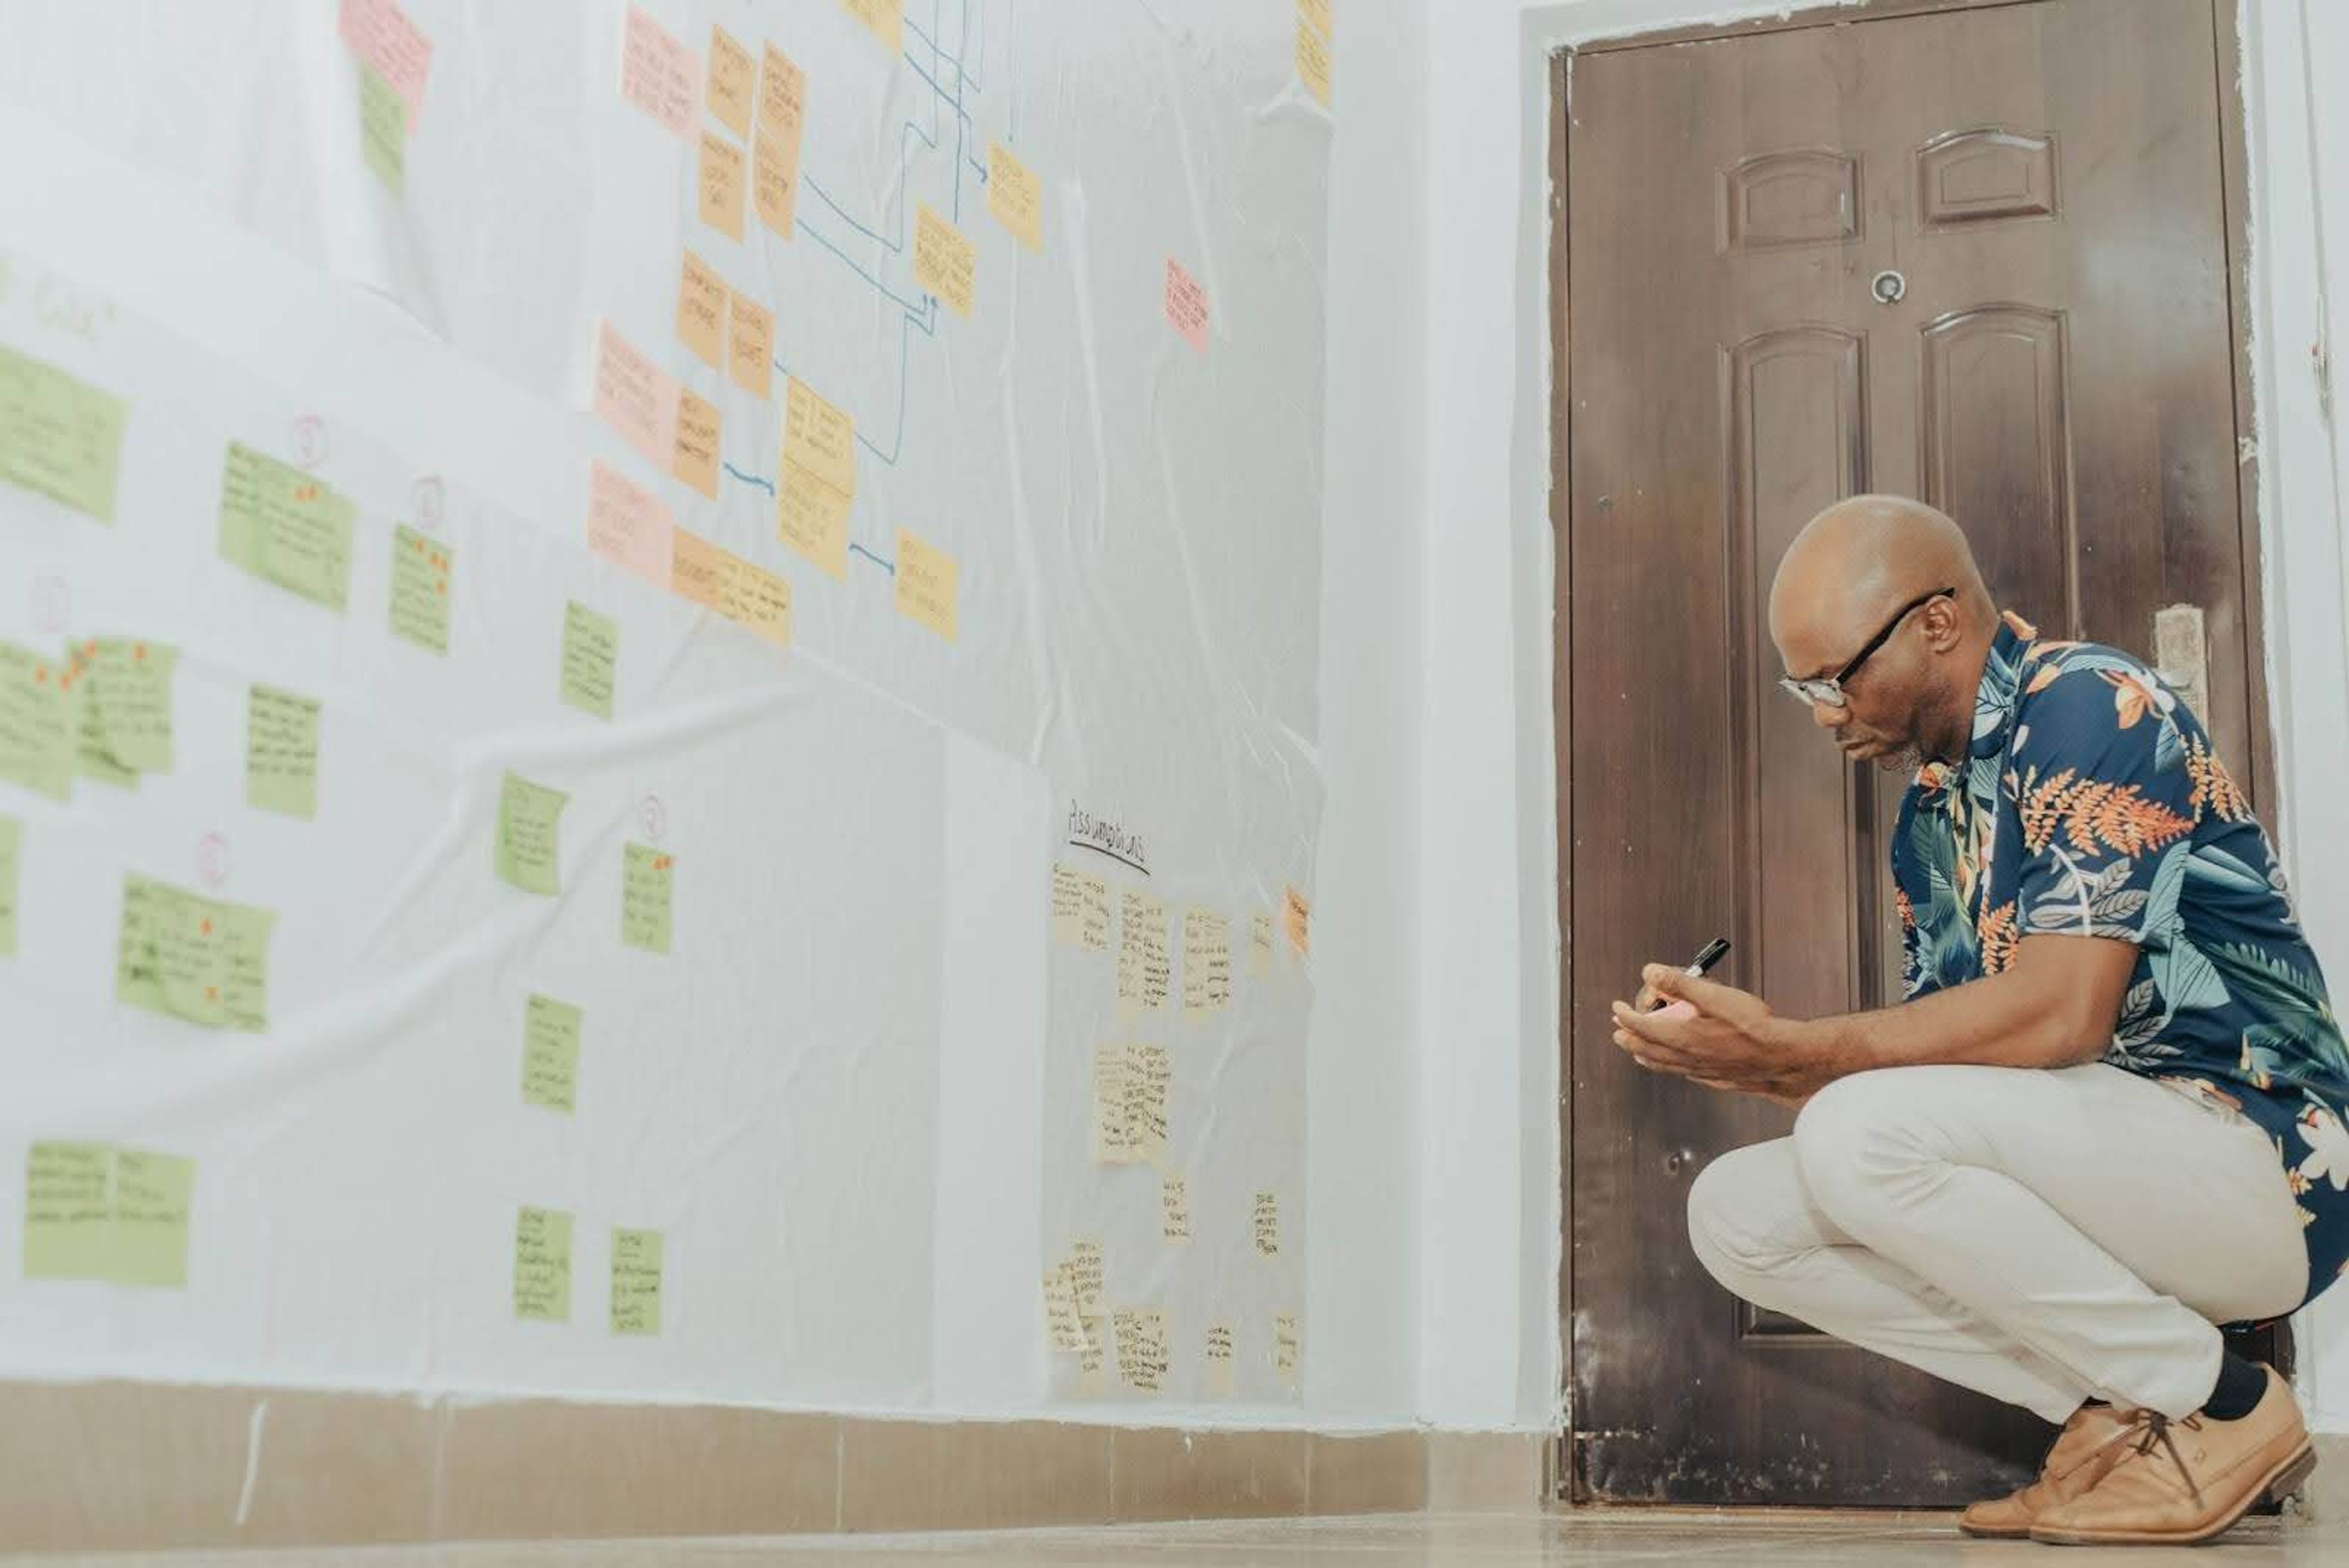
[146, 1467]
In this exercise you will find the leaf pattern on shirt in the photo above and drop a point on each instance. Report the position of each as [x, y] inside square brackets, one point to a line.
[2095, 814]
[1995, 934]
[2215, 789]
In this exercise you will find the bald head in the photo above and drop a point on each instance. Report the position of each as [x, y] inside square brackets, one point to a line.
[1857, 562]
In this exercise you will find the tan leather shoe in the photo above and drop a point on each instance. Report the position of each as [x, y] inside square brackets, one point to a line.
[2092, 1442]
[2181, 1482]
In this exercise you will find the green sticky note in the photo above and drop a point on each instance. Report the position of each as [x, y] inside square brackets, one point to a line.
[636, 1281]
[383, 130]
[528, 850]
[58, 436]
[281, 753]
[186, 955]
[542, 1279]
[68, 1212]
[420, 570]
[36, 722]
[123, 691]
[153, 1193]
[550, 1054]
[91, 758]
[591, 647]
[279, 522]
[647, 879]
[12, 839]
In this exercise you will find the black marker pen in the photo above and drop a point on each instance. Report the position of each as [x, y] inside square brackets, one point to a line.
[1711, 953]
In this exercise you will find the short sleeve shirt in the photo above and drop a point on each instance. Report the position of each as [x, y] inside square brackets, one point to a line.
[2092, 804]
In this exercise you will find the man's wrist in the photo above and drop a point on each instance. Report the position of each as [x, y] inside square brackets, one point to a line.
[1814, 1041]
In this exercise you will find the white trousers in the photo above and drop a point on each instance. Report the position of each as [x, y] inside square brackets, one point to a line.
[2043, 1235]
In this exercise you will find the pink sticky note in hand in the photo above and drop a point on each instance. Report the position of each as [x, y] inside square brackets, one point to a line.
[1186, 305]
[1673, 1012]
[659, 74]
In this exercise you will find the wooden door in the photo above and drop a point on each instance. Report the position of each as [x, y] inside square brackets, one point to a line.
[2038, 188]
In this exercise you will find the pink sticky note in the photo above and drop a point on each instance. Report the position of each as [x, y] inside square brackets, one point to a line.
[659, 74]
[628, 526]
[1186, 305]
[635, 397]
[379, 32]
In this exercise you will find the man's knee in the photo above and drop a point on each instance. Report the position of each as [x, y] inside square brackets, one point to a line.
[1731, 1208]
[1856, 1137]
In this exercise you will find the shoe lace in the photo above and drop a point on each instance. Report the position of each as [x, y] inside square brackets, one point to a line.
[2149, 1429]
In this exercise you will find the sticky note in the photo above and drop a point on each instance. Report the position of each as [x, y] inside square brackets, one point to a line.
[782, 97]
[1092, 1374]
[36, 722]
[732, 81]
[68, 1212]
[1148, 1076]
[885, 18]
[281, 753]
[926, 585]
[1207, 962]
[1267, 1223]
[1093, 924]
[698, 570]
[774, 183]
[204, 960]
[550, 1054]
[701, 310]
[751, 345]
[591, 655]
[153, 1196]
[1112, 1136]
[1061, 1321]
[775, 146]
[1260, 945]
[1287, 1346]
[945, 263]
[59, 436]
[657, 74]
[1068, 905]
[422, 568]
[1175, 1211]
[636, 1282]
[383, 130]
[12, 848]
[1015, 197]
[1144, 968]
[379, 33]
[811, 517]
[628, 526]
[716, 579]
[647, 888]
[1296, 920]
[1219, 1360]
[123, 689]
[721, 185]
[281, 523]
[529, 851]
[1085, 1266]
[1316, 14]
[92, 760]
[1140, 1348]
[1313, 61]
[635, 397]
[1186, 306]
[819, 437]
[696, 458]
[542, 1266]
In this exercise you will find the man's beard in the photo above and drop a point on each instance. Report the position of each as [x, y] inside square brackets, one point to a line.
[1907, 759]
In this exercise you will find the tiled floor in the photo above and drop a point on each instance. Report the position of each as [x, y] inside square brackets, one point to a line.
[1915, 1541]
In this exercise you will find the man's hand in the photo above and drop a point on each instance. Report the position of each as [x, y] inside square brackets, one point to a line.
[1718, 1037]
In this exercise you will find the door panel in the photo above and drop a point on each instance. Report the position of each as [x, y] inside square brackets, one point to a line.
[2054, 370]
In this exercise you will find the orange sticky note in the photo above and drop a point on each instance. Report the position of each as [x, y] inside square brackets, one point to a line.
[775, 183]
[885, 18]
[782, 96]
[811, 516]
[734, 80]
[1186, 305]
[721, 185]
[928, 578]
[1014, 196]
[635, 396]
[819, 437]
[1296, 920]
[750, 347]
[628, 526]
[775, 167]
[701, 310]
[695, 461]
[657, 74]
[694, 567]
[945, 263]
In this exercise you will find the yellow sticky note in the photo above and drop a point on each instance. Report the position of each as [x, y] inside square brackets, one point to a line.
[1140, 1348]
[591, 657]
[281, 753]
[811, 517]
[695, 569]
[279, 522]
[153, 1196]
[1207, 962]
[819, 437]
[68, 1212]
[885, 18]
[205, 960]
[383, 130]
[647, 886]
[550, 1054]
[542, 1268]
[1175, 1211]
[1085, 1277]
[783, 115]
[751, 345]
[945, 263]
[1313, 61]
[1092, 927]
[636, 1281]
[1144, 968]
[1267, 1223]
[1112, 1133]
[697, 458]
[1219, 1360]
[1068, 905]
[36, 722]
[421, 571]
[701, 310]
[1287, 1346]
[12, 843]
[721, 185]
[1061, 1321]
[732, 81]
[59, 436]
[755, 599]
[1092, 1368]
[1014, 196]
[529, 850]
[1316, 11]
[926, 584]
[1148, 1078]
[124, 691]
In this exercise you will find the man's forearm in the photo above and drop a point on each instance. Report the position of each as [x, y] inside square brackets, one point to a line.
[2011, 1020]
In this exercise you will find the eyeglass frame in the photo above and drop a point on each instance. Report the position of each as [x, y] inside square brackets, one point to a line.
[1828, 690]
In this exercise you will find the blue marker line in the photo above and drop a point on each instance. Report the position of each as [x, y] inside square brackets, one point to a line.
[888, 567]
[746, 478]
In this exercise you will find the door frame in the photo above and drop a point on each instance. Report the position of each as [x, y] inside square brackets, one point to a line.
[1557, 74]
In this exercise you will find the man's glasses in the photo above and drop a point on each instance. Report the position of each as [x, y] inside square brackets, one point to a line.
[1828, 691]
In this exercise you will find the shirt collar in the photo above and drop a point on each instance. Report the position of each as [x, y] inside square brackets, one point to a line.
[2002, 678]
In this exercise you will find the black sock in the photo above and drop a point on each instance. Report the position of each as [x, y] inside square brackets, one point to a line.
[2241, 1385]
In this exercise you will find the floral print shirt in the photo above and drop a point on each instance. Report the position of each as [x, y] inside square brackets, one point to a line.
[2092, 804]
